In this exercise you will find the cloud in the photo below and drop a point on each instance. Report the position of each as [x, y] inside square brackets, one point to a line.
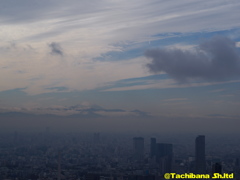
[14, 11]
[81, 110]
[217, 90]
[115, 21]
[175, 99]
[216, 59]
[58, 88]
[98, 27]
[223, 116]
[167, 83]
[56, 49]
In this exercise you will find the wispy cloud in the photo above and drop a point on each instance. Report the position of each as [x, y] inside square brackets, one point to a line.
[82, 109]
[223, 116]
[175, 99]
[227, 95]
[88, 30]
[217, 90]
[166, 83]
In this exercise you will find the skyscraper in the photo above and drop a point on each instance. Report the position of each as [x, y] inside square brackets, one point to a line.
[138, 147]
[164, 156]
[153, 147]
[217, 168]
[200, 162]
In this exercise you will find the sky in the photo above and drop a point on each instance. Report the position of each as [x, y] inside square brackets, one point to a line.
[135, 65]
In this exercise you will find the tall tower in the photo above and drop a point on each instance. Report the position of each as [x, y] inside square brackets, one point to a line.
[200, 162]
[153, 147]
[164, 157]
[138, 148]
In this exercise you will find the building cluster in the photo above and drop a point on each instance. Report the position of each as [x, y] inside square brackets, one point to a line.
[46, 156]
[160, 153]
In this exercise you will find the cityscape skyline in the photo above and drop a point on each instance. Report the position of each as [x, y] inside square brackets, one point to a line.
[119, 90]
[52, 155]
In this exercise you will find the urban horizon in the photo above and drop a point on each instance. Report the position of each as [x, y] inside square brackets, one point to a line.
[119, 90]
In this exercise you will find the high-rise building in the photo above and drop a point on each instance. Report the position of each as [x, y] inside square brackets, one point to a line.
[217, 168]
[200, 162]
[153, 147]
[138, 148]
[164, 157]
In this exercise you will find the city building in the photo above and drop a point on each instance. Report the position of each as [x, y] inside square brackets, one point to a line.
[138, 148]
[153, 147]
[164, 157]
[217, 168]
[200, 162]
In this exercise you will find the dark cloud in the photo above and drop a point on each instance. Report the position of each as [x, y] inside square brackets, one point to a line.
[216, 59]
[56, 49]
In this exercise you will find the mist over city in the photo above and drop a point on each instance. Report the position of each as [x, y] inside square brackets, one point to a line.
[119, 90]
